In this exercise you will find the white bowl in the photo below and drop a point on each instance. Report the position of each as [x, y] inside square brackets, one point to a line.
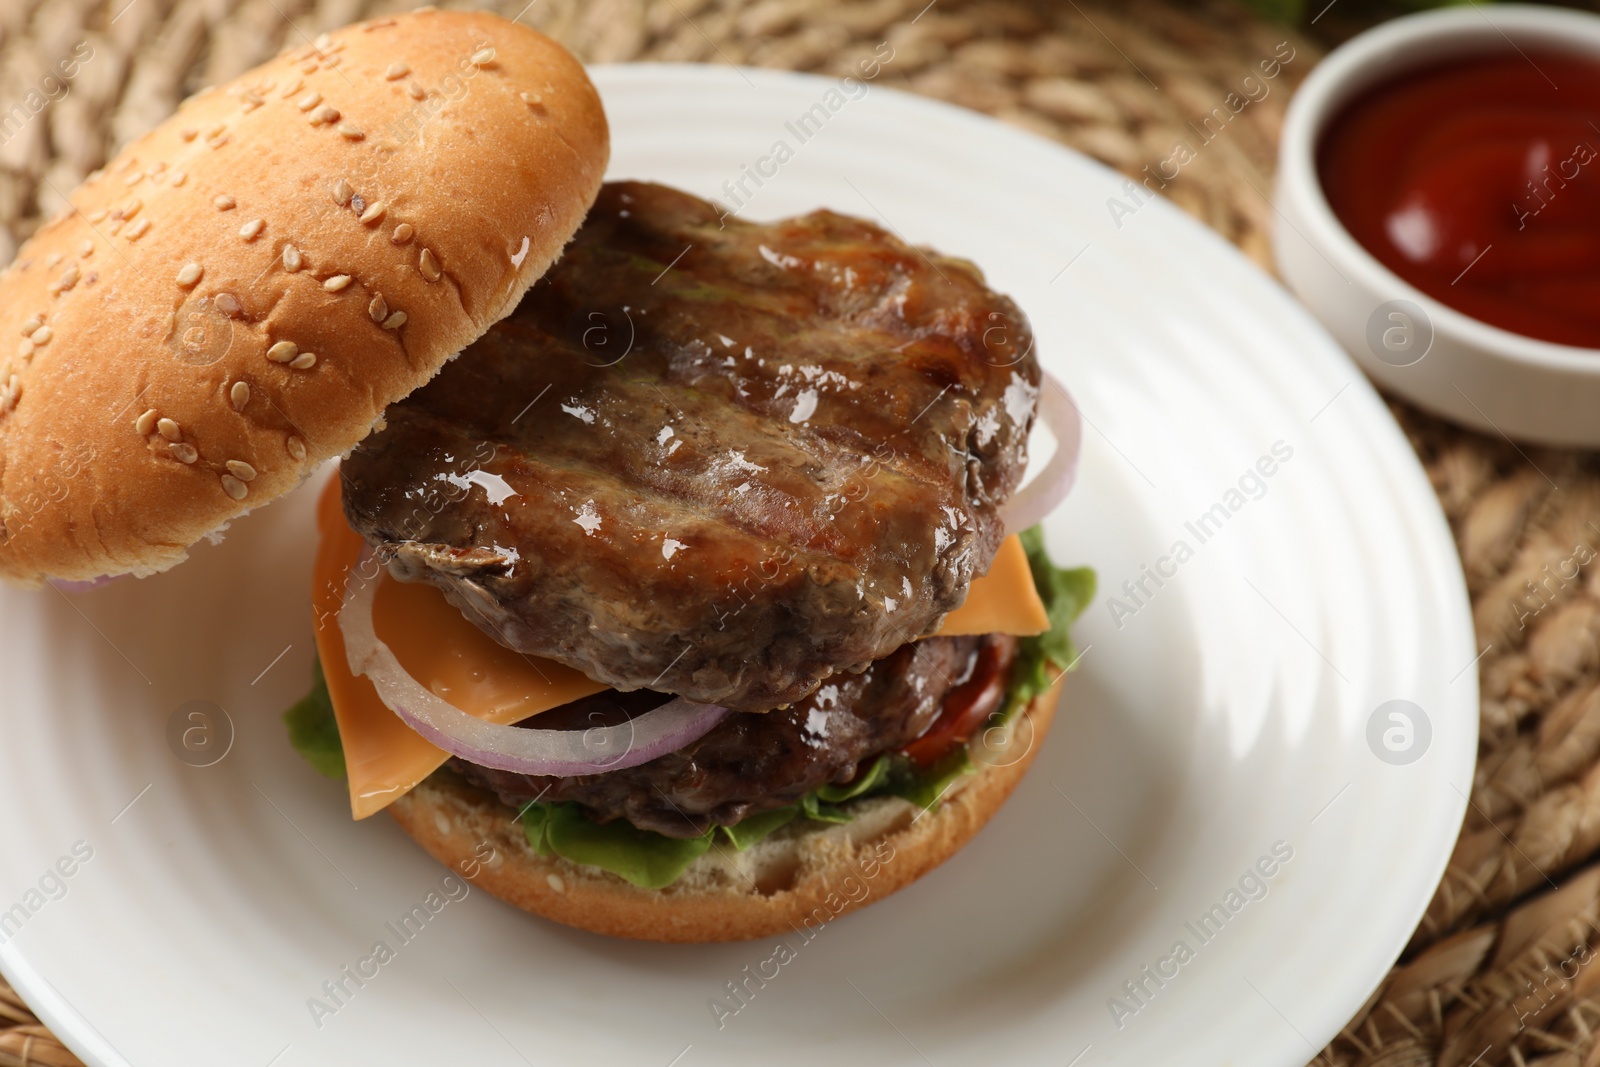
[1440, 358]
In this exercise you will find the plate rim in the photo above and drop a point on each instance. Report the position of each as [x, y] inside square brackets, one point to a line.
[75, 1030]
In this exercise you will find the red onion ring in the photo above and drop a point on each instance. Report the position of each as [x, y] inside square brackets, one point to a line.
[1059, 413]
[561, 753]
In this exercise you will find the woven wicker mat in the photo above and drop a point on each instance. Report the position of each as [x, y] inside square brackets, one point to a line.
[1497, 973]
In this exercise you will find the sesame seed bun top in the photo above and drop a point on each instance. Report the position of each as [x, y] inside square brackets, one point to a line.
[240, 293]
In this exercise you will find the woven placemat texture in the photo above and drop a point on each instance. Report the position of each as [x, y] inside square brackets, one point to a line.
[1498, 971]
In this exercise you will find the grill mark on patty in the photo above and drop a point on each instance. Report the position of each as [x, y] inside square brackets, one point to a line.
[799, 548]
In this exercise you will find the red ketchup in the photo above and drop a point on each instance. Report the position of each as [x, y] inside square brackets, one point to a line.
[1478, 181]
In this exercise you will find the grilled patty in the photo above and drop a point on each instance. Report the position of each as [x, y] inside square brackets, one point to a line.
[748, 764]
[713, 458]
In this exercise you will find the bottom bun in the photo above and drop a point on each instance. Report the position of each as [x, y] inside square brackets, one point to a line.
[801, 876]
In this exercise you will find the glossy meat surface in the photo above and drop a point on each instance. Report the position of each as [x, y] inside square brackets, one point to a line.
[749, 764]
[717, 459]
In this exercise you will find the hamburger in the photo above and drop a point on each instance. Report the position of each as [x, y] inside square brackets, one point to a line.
[677, 576]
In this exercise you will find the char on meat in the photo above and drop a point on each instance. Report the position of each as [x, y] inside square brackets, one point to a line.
[713, 458]
[748, 764]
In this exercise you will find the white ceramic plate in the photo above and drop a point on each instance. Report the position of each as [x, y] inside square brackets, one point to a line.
[1225, 715]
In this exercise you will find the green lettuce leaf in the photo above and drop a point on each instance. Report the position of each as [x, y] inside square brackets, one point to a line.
[741, 835]
[1066, 593]
[313, 730]
[876, 775]
[645, 858]
[926, 787]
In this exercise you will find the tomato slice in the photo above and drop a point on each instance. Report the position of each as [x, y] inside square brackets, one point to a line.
[966, 707]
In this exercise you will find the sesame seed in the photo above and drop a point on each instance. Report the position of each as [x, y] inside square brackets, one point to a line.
[402, 233]
[169, 429]
[351, 133]
[304, 361]
[483, 58]
[219, 141]
[250, 229]
[133, 179]
[332, 61]
[225, 203]
[183, 452]
[157, 168]
[531, 99]
[342, 192]
[42, 335]
[417, 92]
[291, 258]
[52, 259]
[337, 282]
[428, 265]
[327, 114]
[241, 470]
[188, 133]
[395, 321]
[308, 67]
[283, 351]
[374, 212]
[296, 447]
[98, 217]
[309, 101]
[252, 101]
[292, 88]
[25, 349]
[323, 41]
[228, 304]
[130, 209]
[358, 203]
[138, 229]
[86, 248]
[216, 131]
[67, 280]
[146, 423]
[32, 324]
[234, 487]
[178, 178]
[396, 71]
[378, 309]
[190, 274]
[239, 395]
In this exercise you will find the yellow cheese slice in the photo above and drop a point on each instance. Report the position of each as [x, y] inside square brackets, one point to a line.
[1004, 601]
[385, 758]
[438, 646]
